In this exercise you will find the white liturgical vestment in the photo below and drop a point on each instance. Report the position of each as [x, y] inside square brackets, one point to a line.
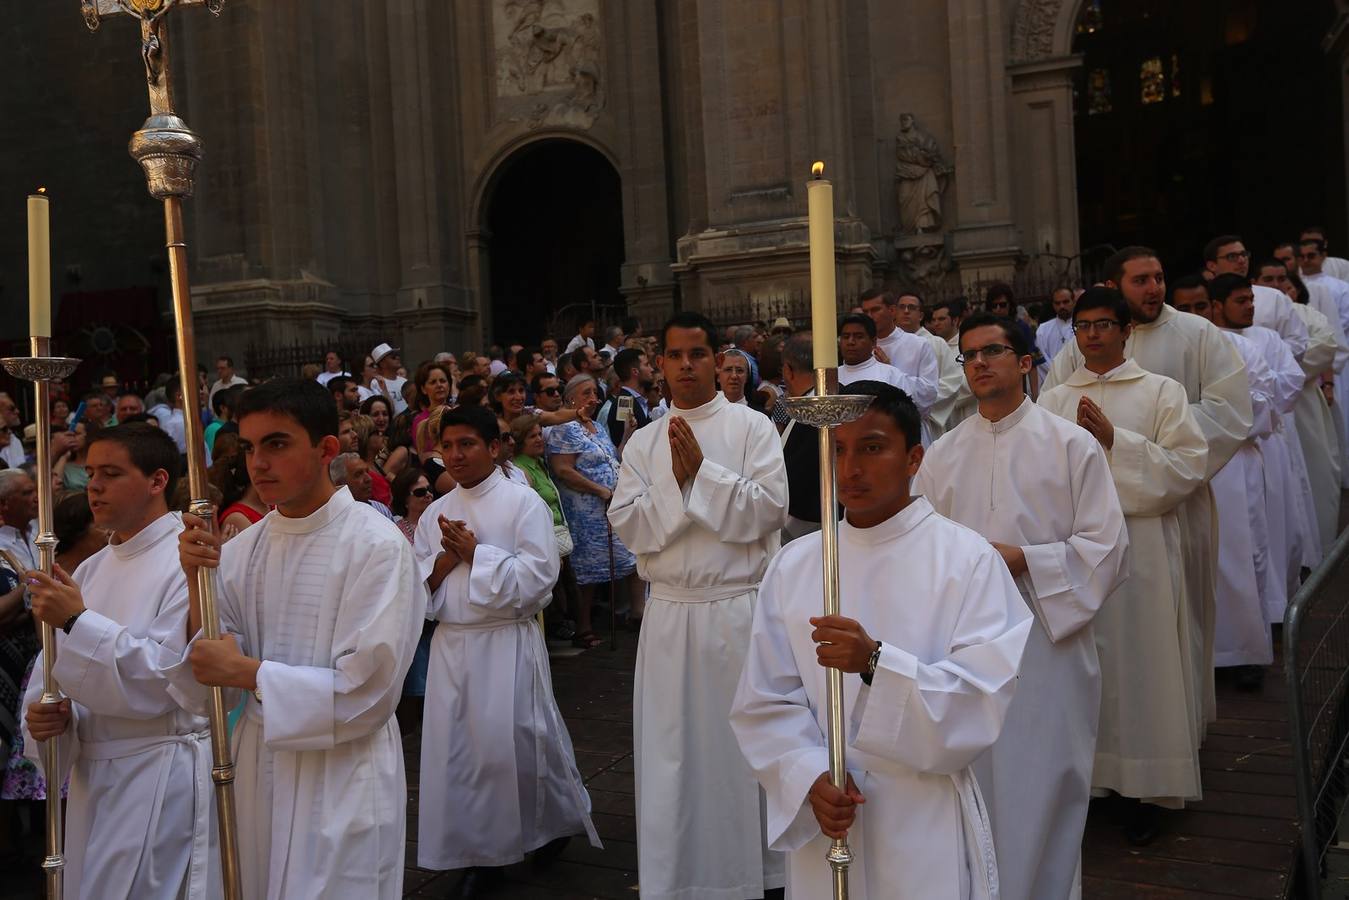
[1273, 310]
[1042, 484]
[1327, 293]
[1190, 349]
[332, 605]
[911, 354]
[952, 632]
[1146, 745]
[140, 819]
[1051, 337]
[875, 370]
[703, 549]
[498, 775]
[1316, 425]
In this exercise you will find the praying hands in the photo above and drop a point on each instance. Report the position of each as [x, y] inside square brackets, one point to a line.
[685, 454]
[1091, 417]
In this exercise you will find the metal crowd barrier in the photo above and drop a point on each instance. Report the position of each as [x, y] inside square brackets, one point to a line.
[1316, 664]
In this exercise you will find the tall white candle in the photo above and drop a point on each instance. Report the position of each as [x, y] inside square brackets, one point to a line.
[823, 294]
[39, 265]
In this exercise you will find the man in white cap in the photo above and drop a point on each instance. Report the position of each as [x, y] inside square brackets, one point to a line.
[387, 381]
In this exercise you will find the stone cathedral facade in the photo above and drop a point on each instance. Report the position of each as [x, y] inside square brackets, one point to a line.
[357, 154]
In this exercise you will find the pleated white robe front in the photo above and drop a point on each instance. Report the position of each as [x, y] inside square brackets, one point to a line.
[1241, 634]
[1191, 349]
[952, 634]
[332, 605]
[140, 817]
[703, 550]
[1328, 294]
[498, 774]
[1042, 484]
[950, 381]
[1146, 742]
[1315, 424]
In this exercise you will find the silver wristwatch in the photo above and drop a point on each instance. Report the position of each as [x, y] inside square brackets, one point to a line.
[873, 661]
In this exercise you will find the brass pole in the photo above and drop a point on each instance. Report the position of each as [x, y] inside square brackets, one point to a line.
[840, 854]
[168, 151]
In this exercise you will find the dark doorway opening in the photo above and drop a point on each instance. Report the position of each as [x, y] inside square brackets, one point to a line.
[1205, 117]
[556, 223]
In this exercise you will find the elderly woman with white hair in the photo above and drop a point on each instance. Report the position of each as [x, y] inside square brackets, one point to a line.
[585, 463]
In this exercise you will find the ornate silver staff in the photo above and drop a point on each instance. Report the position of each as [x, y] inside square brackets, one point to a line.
[42, 369]
[824, 411]
[168, 151]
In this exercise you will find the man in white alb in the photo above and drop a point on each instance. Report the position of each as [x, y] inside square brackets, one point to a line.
[701, 497]
[1053, 334]
[1227, 254]
[857, 345]
[931, 663]
[906, 352]
[321, 609]
[951, 388]
[140, 819]
[1060, 530]
[1145, 746]
[498, 776]
[1194, 352]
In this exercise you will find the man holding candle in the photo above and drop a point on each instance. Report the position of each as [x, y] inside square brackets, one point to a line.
[701, 497]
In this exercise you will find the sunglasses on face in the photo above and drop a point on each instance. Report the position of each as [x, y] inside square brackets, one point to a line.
[421, 492]
[551, 391]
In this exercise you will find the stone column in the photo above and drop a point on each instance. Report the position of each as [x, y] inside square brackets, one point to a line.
[984, 236]
[1045, 167]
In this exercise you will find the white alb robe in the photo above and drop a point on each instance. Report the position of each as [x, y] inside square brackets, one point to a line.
[1146, 741]
[1330, 293]
[332, 605]
[1287, 493]
[952, 633]
[1037, 482]
[875, 370]
[1273, 310]
[703, 549]
[498, 775]
[1241, 634]
[140, 819]
[1190, 349]
[1051, 337]
[1315, 424]
[950, 383]
[912, 355]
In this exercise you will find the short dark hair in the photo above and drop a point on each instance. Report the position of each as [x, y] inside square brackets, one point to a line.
[226, 397]
[1291, 245]
[1222, 240]
[502, 383]
[369, 403]
[631, 324]
[71, 520]
[627, 361]
[1185, 283]
[301, 399]
[890, 400]
[339, 384]
[798, 351]
[1113, 268]
[955, 307]
[227, 360]
[524, 357]
[578, 357]
[1313, 229]
[1319, 244]
[481, 419]
[402, 487]
[1222, 287]
[1015, 339]
[536, 383]
[858, 319]
[1267, 262]
[999, 290]
[690, 320]
[872, 293]
[1104, 298]
[172, 388]
[150, 449]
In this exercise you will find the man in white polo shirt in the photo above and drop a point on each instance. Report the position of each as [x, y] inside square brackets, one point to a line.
[388, 382]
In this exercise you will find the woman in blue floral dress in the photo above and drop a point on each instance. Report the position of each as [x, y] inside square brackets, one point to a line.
[585, 464]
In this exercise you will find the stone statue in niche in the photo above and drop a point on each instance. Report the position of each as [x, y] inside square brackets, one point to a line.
[924, 268]
[921, 177]
[549, 69]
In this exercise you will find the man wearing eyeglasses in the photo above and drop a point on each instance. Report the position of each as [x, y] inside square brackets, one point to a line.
[950, 380]
[1194, 352]
[1039, 490]
[1227, 254]
[1145, 745]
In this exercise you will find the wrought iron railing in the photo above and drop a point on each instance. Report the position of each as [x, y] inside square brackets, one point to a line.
[1316, 662]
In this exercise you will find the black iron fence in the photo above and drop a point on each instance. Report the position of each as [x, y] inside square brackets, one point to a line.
[1316, 662]
[288, 360]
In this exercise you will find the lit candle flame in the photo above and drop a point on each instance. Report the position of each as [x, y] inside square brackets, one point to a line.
[42, 190]
[817, 170]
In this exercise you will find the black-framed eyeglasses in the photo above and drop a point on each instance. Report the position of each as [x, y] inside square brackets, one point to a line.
[1237, 257]
[1099, 326]
[988, 352]
[421, 492]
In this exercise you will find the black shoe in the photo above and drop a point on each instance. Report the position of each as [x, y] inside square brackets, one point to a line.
[1250, 678]
[1144, 824]
[546, 855]
[479, 881]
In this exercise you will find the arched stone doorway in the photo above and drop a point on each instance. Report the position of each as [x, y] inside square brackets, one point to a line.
[553, 224]
[1209, 116]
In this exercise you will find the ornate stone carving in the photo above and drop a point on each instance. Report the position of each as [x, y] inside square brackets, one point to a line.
[921, 177]
[549, 61]
[924, 268]
[1033, 29]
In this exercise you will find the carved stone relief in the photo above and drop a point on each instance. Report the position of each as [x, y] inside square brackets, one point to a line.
[1033, 29]
[549, 61]
[921, 177]
[924, 267]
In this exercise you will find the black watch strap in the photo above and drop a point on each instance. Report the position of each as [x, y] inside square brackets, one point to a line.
[871, 664]
[70, 623]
